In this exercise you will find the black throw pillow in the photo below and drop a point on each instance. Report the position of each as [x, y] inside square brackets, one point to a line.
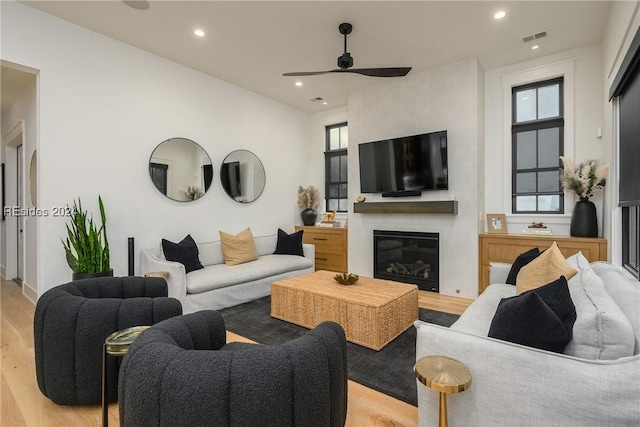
[289, 244]
[542, 318]
[522, 260]
[185, 252]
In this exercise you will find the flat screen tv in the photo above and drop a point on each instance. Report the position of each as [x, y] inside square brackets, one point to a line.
[404, 166]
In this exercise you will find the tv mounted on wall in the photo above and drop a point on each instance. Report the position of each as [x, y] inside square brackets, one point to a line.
[404, 166]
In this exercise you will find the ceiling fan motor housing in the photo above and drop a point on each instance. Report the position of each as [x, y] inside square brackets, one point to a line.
[345, 61]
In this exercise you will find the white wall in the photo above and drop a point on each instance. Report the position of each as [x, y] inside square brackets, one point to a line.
[104, 106]
[447, 98]
[624, 21]
[581, 141]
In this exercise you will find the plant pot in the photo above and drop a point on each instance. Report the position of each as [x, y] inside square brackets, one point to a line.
[309, 216]
[584, 220]
[80, 276]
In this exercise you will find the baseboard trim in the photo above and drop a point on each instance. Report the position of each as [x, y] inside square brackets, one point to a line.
[30, 292]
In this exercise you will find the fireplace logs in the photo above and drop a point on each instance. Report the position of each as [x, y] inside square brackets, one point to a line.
[418, 269]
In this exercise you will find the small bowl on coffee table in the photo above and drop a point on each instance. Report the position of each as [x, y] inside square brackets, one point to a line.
[346, 278]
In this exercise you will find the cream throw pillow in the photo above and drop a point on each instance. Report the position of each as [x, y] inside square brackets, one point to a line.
[238, 249]
[546, 268]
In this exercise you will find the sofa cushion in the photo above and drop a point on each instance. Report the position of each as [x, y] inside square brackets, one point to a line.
[289, 244]
[625, 291]
[238, 249]
[547, 267]
[221, 275]
[601, 331]
[542, 318]
[477, 318]
[184, 252]
[520, 261]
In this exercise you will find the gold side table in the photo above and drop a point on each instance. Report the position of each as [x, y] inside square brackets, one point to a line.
[163, 274]
[116, 344]
[445, 375]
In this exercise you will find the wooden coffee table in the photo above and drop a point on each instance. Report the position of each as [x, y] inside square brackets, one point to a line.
[373, 312]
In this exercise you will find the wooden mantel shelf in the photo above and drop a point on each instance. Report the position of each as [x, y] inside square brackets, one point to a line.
[431, 207]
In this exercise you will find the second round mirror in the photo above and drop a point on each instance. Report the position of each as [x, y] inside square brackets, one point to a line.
[242, 176]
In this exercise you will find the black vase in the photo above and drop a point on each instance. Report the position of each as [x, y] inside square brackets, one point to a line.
[584, 220]
[309, 216]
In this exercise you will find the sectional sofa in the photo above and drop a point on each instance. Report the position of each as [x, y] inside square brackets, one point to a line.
[595, 382]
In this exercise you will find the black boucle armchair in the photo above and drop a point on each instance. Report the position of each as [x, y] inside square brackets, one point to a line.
[180, 372]
[71, 323]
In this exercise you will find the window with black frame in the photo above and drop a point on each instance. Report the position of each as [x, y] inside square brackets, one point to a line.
[626, 92]
[336, 177]
[537, 143]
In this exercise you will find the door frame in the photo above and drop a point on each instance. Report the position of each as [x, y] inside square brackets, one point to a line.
[11, 141]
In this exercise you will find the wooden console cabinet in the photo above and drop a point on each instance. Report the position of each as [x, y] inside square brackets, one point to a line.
[331, 246]
[506, 247]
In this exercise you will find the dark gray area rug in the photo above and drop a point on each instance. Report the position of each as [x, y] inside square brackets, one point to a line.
[389, 370]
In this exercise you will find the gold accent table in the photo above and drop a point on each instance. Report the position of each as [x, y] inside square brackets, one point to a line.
[163, 274]
[373, 312]
[445, 375]
[116, 344]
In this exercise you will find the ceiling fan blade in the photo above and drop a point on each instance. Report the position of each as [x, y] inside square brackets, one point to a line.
[379, 72]
[307, 73]
[371, 72]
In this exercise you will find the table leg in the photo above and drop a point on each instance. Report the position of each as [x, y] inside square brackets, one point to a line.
[105, 405]
[443, 410]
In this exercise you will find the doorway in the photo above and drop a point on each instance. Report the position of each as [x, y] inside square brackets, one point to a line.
[19, 238]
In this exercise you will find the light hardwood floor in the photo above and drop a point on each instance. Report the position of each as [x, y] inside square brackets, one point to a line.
[22, 404]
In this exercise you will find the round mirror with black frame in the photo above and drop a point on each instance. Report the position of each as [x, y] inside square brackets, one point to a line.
[242, 176]
[181, 169]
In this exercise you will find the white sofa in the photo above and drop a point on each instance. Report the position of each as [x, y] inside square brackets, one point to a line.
[218, 285]
[515, 385]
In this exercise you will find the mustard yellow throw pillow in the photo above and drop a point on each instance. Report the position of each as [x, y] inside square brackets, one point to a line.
[238, 249]
[546, 268]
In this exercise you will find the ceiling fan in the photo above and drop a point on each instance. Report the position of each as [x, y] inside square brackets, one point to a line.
[345, 62]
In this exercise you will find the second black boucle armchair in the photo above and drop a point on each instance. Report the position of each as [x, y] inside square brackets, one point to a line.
[180, 372]
[71, 323]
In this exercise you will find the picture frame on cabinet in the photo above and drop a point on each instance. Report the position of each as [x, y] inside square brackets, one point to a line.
[497, 223]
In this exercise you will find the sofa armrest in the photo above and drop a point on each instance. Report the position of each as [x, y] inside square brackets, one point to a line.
[517, 385]
[177, 279]
[309, 252]
[498, 272]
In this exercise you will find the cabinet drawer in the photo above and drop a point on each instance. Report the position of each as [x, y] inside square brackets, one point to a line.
[324, 240]
[331, 262]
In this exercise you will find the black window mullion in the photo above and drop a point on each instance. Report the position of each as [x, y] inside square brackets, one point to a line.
[341, 154]
[535, 125]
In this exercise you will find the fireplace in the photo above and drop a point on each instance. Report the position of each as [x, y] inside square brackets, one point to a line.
[409, 257]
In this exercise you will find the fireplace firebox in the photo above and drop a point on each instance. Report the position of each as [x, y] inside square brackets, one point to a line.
[409, 257]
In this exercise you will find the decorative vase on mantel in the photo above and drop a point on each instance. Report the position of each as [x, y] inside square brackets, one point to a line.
[584, 220]
[309, 216]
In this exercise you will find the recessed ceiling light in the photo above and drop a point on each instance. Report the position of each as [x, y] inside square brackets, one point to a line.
[199, 33]
[500, 14]
[298, 84]
[534, 47]
[324, 103]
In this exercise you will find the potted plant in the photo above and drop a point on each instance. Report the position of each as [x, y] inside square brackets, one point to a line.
[584, 180]
[86, 246]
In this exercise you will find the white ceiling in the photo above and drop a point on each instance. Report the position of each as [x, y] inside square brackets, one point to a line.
[250, 44]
